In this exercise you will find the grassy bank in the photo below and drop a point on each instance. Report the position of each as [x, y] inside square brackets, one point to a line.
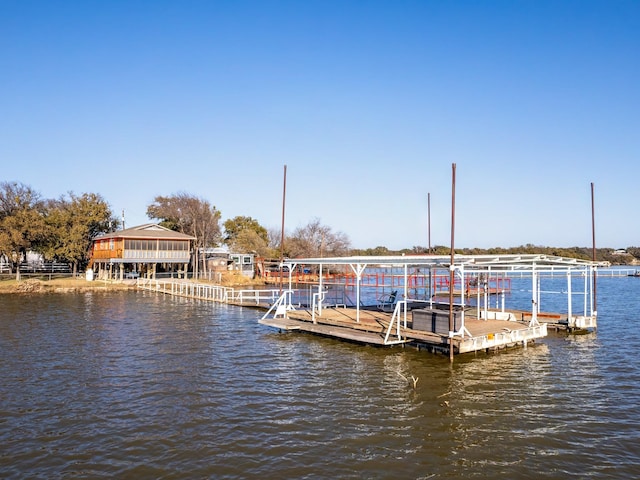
[59, 285]
[76, 285]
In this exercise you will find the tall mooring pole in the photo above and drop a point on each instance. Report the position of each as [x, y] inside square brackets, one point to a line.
[429, 223]
[451, 271]
[284, 197]
[593, 252]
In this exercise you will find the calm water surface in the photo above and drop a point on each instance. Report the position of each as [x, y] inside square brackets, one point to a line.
[139, 385]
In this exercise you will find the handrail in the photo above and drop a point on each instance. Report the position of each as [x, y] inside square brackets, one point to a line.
[188, 289]
[316, 303]
[256, 295]
[401, 306]
[281, 305]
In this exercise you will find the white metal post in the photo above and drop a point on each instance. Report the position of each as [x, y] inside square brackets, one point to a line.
[570, 312]
[291, 267]
[539, 291]
[462, 298]
[586, 298]
[358, 269]
[592, 273]
[431, 287]
[534, 297]
[485, 288]
[320, 292]
[478, 296]
[406, 295]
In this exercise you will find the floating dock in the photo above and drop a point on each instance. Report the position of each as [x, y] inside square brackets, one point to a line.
[429, 324]
[375, 328]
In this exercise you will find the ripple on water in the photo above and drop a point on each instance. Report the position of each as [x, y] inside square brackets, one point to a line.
[136, 385]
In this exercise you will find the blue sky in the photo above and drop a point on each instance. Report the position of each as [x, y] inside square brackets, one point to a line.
[368, 103]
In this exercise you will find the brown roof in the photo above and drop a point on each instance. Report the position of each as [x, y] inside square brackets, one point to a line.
[149, 230]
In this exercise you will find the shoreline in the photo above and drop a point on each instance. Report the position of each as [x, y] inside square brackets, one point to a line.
[63, 285]
[81, 285]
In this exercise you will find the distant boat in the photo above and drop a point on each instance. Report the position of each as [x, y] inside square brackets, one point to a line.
[635, 274]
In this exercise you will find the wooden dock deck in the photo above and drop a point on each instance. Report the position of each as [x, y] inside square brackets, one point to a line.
[372, 327]
[328, 330]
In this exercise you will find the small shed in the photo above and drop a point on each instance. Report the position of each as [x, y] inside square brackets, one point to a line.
[245, 263]
[216, 259]
[220, 259]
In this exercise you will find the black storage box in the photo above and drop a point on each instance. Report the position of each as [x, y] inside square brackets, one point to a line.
[434, 320]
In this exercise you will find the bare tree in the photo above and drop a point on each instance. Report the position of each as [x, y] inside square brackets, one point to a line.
[317, 240]
[274, 237]
[190, 215]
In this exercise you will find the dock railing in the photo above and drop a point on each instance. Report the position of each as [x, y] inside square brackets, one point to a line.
[500, 339]
[255, 296]
[219, 293]
[281, 305]
[185, 288]
[399, 315]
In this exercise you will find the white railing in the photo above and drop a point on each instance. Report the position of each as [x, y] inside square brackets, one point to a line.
[618, 272]
[316, 305]
[396, 318]
[217, 293]
[183, 288]
[281, 305]
[501, 339]
[256, 296]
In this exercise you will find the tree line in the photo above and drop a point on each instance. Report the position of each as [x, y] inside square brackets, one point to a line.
[59, 229]
[63, 229]
[631, 255]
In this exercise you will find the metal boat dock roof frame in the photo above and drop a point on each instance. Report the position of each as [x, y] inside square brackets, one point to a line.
[510, 262]
[529, 264]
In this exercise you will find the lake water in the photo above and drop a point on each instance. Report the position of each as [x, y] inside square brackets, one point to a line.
[141, 385]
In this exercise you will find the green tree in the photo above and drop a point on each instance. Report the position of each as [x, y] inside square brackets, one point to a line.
[250, 241]
[244, 234]
[235, 226]
[378, 251]
[73, 223]
[22, 222]
[634, 251]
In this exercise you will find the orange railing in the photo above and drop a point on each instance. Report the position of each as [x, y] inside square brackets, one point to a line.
[414, 281]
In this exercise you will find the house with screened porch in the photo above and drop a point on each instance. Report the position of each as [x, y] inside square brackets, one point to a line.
[141, 251]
